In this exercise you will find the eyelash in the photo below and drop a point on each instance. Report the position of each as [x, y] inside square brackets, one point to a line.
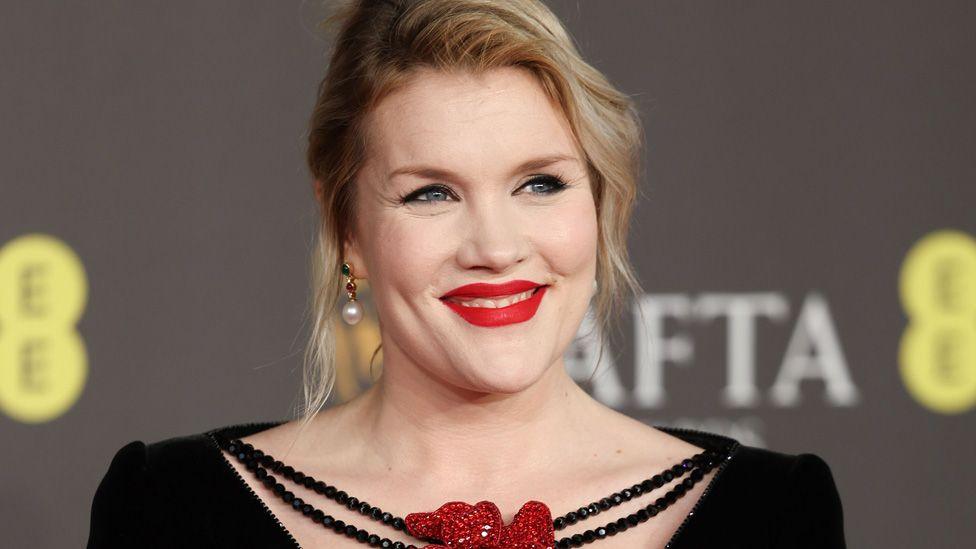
[556, 183]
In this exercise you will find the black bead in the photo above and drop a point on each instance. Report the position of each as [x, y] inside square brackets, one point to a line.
[398, 545]
[657, 480]
[386, 543]
[279, 488]
[637, 490]
[331, 491]
[661, 503]
[571, 517]
[341, 497]
[605, 504]
[668, 476]
[563, 543]
[670, 497]
[298, 477]
[697, 475]
[352, 502]
[680, 489]
[257, 454]
[559, 523]
[269, 481]
[277, 466]
[232, 448]
[678, 470]
[362, 535]
[297, 503]
[577, 540]
[397, 523]
[688, 464]
[339, 526]
[632, 520]
[373, 540]
[589, 536]
[328, 521]
[261, 473]
[386, 518]
[611, 528]
[582, 513]
[622, 524]
[317, 516]
[306, 509]
[364, 508]
[617, 499]
[627, 494]
[319, 487]
[288, 497]
[651, 509]
[267, 461]
[688, 483]
[593, 509]
[642, 515]
[376, 513]
[351, 530]
[287, 471]
[308, 482]
[647, 485]
[600, 532]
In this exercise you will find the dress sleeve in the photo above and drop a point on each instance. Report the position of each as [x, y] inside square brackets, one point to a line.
[812, 515]
[118, 508]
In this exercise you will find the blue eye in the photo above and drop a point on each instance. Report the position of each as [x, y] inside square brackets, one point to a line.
[546, 184]
[430, 193]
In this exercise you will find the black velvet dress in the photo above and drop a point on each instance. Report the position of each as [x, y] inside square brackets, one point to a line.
[180, 492]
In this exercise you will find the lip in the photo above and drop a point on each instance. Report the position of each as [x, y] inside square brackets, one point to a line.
[483, 289]
[490, 316]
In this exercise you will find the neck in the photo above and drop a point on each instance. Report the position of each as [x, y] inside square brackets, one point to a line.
[410, 423]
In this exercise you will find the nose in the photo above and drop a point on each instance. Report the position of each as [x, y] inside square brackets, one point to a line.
[493, 239]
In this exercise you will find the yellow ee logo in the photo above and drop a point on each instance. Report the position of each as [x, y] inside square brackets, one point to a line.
[937, 355]
[43, 363]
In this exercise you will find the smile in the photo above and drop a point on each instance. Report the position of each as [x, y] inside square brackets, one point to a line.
[492, 302]
[490, 305]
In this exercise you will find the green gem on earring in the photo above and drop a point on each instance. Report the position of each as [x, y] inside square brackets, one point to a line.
[345, 269]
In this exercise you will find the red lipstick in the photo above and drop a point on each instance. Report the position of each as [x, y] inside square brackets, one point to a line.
[489, 316]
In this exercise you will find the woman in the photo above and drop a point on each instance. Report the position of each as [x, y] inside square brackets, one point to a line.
[479, 176]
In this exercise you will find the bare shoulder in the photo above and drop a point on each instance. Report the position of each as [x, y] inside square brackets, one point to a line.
[645, 441]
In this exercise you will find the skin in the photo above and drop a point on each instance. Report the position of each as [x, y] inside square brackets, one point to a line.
[463, 412]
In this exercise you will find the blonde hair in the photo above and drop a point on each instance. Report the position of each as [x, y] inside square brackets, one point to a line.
[378, 45]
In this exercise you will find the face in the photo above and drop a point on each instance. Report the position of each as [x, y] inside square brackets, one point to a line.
[474, 179]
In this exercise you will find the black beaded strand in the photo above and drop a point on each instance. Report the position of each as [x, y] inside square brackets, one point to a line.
[255, 460]
[675, 471]
[706, 462]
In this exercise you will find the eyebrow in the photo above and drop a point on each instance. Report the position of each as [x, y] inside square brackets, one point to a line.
[437, 173]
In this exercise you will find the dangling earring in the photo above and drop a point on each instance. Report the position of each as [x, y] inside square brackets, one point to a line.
[352, 311]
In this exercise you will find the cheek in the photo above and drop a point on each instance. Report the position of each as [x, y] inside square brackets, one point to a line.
[403, 255]
[568, 238]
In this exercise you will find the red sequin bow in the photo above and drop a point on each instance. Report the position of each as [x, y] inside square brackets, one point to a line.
[461, 526]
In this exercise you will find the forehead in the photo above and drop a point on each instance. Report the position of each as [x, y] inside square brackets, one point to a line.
[464, 120]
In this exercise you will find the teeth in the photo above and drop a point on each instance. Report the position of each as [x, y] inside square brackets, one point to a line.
[495, 303]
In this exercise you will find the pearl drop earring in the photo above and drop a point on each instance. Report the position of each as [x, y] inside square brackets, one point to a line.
[352, 311]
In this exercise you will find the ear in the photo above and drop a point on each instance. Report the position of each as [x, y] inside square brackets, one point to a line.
[353, 255]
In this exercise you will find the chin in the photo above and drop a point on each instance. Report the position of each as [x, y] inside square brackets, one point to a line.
[501, 376]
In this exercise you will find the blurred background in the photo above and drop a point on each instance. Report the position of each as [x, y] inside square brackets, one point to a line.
[806, 239]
